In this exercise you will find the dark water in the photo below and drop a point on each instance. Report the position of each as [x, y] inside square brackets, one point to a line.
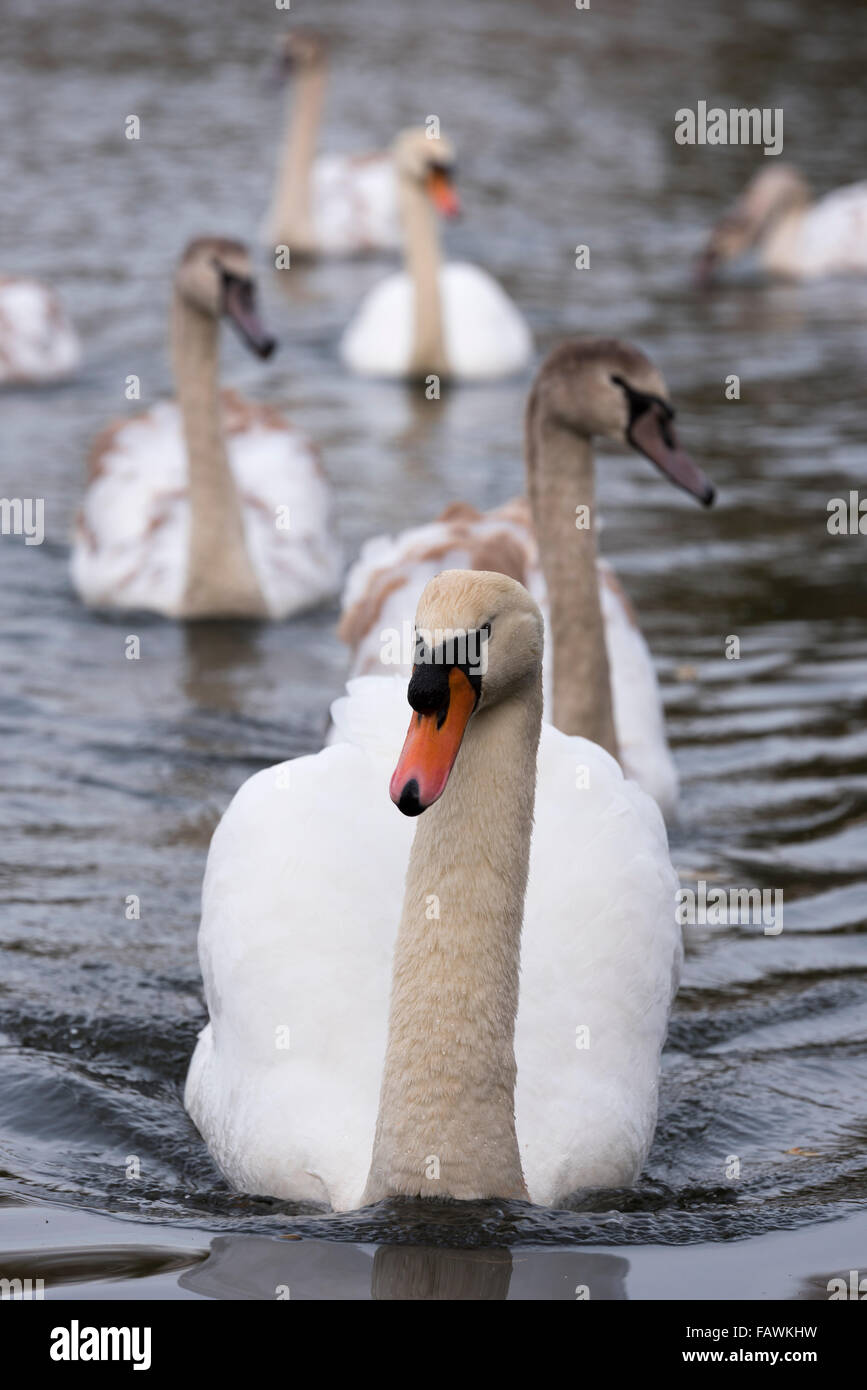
[114, 772]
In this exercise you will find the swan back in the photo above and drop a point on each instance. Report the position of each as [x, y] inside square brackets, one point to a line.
[132, 533]
[37, 340]
[384, 585]
[485, 336]
[355, 204]
[834, 234]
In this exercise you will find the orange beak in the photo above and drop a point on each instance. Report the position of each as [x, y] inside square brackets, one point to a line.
[430, 748]
[442, 193]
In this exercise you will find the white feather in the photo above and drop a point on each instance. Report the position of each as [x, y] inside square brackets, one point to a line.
[485, 336]
[132, 534]
[833, 239]
[354, 205]
[37, 340]
[638, 712]
[300, 908]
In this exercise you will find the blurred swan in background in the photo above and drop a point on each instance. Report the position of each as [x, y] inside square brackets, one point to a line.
[453, 321]
[38, 343]
[211, 506]
[775, 228]
[330, 205]
[300, 1075]
[600, 681]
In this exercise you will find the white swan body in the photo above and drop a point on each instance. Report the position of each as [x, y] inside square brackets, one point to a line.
[208, 506]
[301, 903]
[433, 319]
[833, 237]
[485, 336]
[384, 585]
[131, 541]
[775, 227]
[38, 343]
[353, 206]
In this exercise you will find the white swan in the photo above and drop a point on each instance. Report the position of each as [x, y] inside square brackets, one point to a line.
[330, 205]
[453, 321]
[38, 343]
[585, 387]
[299, 1084]
[212, 506]
[777, 229]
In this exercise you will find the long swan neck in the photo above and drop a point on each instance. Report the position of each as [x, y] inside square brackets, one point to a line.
[422, 256]
[561, 487]
[446, 1124]
[220, 579]
[291, 216]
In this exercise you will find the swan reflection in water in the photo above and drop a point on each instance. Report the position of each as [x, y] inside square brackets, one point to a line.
[259, 1267]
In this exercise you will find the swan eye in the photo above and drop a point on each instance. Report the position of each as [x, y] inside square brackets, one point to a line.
[485, 629]
[640, 401]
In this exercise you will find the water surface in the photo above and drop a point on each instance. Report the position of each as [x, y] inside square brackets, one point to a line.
[114, 772]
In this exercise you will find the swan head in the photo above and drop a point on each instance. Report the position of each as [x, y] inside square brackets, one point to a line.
[215, 277]
[771, 195]
[302, 50]
[479, 639]
[605, 387]
[428, 162]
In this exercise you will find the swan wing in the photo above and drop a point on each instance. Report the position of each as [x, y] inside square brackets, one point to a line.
[378, 339]
[834, 237]
[639, 718]
[37, 340]
[485, 335]
[355, 204]
[300, 907]
[131, 536]
[287, 510]
[384, 585]
[601, 955]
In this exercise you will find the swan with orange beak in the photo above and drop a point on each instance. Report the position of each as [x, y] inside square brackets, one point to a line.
[452, 320]
[432, 971]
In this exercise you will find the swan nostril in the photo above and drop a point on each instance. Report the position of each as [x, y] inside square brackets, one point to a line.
[409, 802]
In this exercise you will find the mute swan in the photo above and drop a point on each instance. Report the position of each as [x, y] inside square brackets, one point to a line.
[452, 320]
[300, 1085]
[776, 228]
[211, 507]
[585, 387]
[334, 205]
[38, 343]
